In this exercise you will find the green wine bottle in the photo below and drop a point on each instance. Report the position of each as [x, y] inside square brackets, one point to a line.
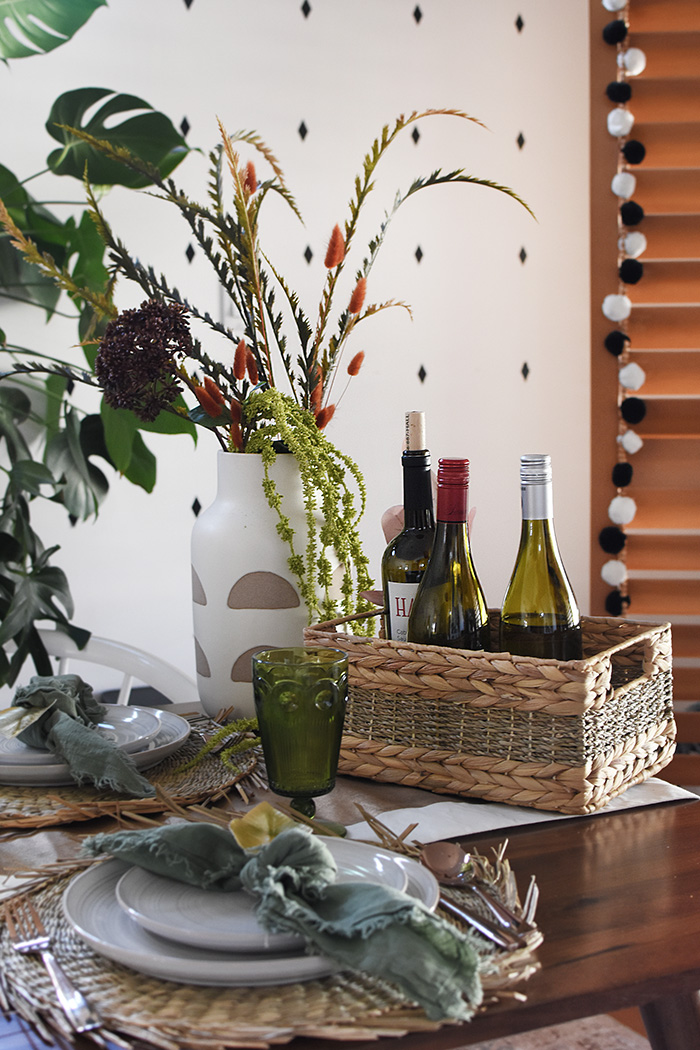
[406, 556]
[449, 607]
[540, 616]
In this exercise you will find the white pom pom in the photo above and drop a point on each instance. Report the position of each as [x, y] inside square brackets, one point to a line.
[620, 122]
[633, 244]
[631, 376]
[630, 441]
[624, 184]
[622, 509]
[614, 5]
[617, 307]
[614, 572]
[633, 60]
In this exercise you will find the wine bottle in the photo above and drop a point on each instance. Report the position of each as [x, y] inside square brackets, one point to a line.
[406, 556]
[540, 616]
[449, 607]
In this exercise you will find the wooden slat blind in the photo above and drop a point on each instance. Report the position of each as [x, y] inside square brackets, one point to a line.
[662, 552]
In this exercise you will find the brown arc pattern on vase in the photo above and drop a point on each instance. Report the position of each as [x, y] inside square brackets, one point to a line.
[262, 590]
[199, 596]
[201, 662]
[242, 670]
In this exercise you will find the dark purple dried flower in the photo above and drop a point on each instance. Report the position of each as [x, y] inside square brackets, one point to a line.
[136, 362]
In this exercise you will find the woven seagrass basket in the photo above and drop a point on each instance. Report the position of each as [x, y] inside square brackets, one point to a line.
[556, 735]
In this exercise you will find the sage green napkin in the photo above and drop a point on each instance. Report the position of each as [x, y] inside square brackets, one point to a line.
[59, 714]
[366, 927]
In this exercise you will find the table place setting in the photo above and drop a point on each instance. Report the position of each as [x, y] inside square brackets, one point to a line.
[65, 757]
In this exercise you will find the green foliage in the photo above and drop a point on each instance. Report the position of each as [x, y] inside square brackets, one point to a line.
[143, 130]
[45, 24]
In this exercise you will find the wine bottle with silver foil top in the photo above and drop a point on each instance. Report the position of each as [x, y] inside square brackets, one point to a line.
[540, 616]
[406, 556]
[449, 607]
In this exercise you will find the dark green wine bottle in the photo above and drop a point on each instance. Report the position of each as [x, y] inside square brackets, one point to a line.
[540, 616]
[406, 556]
[449, 607]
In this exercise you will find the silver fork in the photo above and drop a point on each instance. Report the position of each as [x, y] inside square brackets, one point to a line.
[29, 936]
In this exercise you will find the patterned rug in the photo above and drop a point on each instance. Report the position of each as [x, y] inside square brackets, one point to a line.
[593, 1033]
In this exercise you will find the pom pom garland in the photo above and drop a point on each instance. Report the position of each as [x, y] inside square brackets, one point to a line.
[620, 122]
[616, 603]
[623, 184]
[615, 342]
[617, 307]
[633, 410]
[631, 213]
[621, 475]
[633, 244]
[631, 271]
[622, 510]
[630, 441]
[634, 152]
[619, 91]
[614, 5]
[631, 376]
[615, 32]
[612, 539]
[633, 61]
[614, 572]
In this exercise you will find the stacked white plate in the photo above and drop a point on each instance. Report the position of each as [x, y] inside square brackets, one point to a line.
[177, 932]
[148, 734]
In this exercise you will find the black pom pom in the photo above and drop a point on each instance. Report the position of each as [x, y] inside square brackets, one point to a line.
[633, 410]
[619, 91]
[634, 152]
[621, 475]
[631, 213]
[615, 603]
[612, 539]
[631, 271]
[615, 32]
[615, 342]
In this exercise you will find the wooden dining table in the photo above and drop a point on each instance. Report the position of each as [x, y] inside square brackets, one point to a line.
[619, 910]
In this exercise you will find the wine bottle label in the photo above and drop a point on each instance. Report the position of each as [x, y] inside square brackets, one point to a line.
[401, 597]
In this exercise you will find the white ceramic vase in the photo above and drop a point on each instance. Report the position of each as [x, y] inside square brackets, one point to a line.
[244, 596]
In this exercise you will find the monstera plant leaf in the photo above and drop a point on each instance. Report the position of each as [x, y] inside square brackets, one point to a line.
[142, 131]
[33, 27]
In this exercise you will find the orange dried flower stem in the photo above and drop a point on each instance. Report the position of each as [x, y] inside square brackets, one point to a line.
[210, 406]
[357, 298]
[324, 416]
[335, 253]
[356, 363]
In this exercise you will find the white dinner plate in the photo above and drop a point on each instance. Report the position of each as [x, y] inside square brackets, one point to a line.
[173, 732]
[225, 921]
[130, 728]
[90, 906]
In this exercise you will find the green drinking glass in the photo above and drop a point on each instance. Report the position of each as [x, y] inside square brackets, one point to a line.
[300, 700]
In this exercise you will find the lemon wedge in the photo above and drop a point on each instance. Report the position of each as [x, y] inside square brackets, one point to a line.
[259, 826]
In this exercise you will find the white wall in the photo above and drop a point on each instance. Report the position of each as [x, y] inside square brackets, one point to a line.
[479, 313]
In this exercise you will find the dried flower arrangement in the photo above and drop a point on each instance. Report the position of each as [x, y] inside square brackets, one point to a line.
[148, 357]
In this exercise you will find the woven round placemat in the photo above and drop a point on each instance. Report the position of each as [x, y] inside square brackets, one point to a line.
[138, 1009]
[42, 807]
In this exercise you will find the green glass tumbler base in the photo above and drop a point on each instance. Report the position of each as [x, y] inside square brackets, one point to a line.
[305, 806]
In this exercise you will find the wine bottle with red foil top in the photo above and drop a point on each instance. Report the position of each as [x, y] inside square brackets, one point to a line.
[450, 607]
[540, 616]
[406, 556]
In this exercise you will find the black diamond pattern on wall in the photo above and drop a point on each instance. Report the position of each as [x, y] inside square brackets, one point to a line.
[306, 8]
[525, 370]
[303, 130]
[189, 253]
[422, 374]
[522, 255]
[188, 4]
[519, 24]
[419, 253]
[184, 127]
[415, 135]
[520, 140]
[308, 254]
[417, 14]
[196, 507]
